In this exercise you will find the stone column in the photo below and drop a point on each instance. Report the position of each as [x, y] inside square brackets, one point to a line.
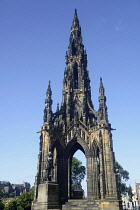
[101, 175]
[69, 179]
[89, 177]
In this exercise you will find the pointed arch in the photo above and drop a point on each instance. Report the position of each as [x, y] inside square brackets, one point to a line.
[75, 144]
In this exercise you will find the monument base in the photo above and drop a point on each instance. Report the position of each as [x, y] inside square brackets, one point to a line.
[78, 194]
[48, 197]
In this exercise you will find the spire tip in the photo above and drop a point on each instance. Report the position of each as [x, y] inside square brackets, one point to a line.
[75, 11]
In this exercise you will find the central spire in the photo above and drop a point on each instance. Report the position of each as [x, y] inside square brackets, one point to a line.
[76, 47]
[76, 83]
[75, 21]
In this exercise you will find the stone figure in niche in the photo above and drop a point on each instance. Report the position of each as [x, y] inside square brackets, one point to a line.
[78, 186]
[49, 167]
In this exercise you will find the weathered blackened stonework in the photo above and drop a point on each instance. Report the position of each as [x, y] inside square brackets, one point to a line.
[76, 125]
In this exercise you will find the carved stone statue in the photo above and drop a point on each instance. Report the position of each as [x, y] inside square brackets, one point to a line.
[49, 167]
[78, 186]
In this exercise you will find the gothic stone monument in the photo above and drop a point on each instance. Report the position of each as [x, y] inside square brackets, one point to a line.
[76, 125]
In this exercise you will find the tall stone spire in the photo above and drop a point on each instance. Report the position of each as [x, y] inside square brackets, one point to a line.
[103, 116]
[76, 47]
[75, 21]
[76, 83]
[48, 106]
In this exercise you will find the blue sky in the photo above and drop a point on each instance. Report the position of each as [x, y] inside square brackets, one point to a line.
[34, 36]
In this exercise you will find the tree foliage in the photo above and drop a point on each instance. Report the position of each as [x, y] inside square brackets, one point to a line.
[78, 171]
[122, 178]
[12, 205]
[22, 202]
[1, 205]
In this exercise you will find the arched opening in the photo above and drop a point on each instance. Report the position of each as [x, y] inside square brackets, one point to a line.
[77, 173]
[79, 155]
[75, 146]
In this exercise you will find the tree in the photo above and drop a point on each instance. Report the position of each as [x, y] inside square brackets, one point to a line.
[78, 171]
[1, 205]
[31, 193]
[22, 202]
[12, 205]
[122, 178]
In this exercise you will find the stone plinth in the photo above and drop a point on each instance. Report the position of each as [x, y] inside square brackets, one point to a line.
[78, 194]
[48, 197]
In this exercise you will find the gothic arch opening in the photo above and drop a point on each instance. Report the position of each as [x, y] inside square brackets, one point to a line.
[73, 186]
[79, 155]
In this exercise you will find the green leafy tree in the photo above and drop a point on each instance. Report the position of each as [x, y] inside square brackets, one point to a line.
[1, 205]
[12, 205]
[24, 201]
[20, 208]
[31, 193]
[78, 171]
[122, 178]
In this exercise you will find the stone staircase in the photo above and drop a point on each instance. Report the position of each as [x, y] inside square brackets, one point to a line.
[81, 205]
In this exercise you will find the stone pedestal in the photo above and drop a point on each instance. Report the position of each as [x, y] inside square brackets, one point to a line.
[48, 197]
[78, 194]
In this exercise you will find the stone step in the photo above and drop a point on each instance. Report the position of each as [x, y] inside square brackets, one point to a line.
[80, 205]
[80, 208]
